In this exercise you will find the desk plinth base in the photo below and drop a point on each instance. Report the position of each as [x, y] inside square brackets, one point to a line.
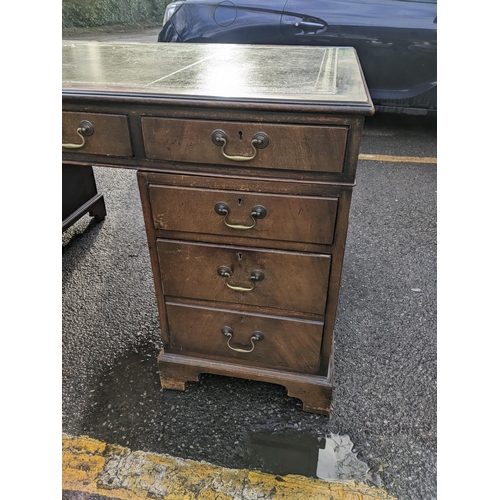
[315, 392]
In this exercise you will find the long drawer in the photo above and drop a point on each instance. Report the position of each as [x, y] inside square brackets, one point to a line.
[253, 215]
[270, 341]
[290, 147]
[269, 278]
[110, 137]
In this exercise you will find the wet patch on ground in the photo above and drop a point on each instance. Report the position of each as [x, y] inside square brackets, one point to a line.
[253, 426]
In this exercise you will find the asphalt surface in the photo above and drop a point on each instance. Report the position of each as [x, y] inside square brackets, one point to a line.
[385, 334]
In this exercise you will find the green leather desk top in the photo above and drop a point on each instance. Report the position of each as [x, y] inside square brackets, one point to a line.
[298, 74]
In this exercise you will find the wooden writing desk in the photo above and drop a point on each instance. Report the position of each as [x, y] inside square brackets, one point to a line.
[246, 160]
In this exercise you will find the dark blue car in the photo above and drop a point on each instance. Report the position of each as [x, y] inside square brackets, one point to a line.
[395, 39]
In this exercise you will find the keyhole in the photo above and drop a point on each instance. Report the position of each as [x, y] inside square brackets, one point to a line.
[241, 135]
[240, 256]
[239, 202]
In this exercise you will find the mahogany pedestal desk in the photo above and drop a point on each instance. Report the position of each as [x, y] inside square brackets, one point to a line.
[246, 159]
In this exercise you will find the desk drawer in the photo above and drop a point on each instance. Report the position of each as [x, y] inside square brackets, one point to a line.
[286, 218]
[290, 147]
[268, 278]
[111, 135]
[285, 343]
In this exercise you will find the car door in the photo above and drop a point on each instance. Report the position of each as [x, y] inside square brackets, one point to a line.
[258, 21]
[395, 39]
[236, 21]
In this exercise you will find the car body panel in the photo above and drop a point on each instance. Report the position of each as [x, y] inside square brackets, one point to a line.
[254, 22]
[396, 40]
[387, 34]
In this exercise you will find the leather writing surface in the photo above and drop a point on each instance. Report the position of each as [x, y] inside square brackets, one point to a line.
[223, 71]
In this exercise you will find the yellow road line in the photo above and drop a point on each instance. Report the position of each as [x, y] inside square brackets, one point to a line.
[111, 471]
[404, 159]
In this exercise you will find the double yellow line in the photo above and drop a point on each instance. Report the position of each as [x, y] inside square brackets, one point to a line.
[402, 159]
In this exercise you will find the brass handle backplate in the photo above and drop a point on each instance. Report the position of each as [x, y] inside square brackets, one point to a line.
[85, 128]
[225, 272]
[258, 212]
[227, 331]
[260, 140]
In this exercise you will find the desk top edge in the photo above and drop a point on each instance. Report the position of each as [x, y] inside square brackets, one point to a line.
[90, 98]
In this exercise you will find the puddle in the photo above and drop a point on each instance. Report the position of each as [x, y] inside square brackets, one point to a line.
[232, 423]
[330, 458]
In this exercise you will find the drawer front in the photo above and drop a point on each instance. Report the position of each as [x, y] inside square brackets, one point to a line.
[291, 147]
[268, 278]
[286, 218]
[285, 343]
[111, 135]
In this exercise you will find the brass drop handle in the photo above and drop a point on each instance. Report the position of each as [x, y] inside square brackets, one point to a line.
[85, 128]
[260, 140]
[258, 212]
[225, 272]
[227, 331]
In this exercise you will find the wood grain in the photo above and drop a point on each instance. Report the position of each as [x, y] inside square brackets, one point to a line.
[291, 147]
[111, 135]
[289, 218]
[287, 344]
[292, 280]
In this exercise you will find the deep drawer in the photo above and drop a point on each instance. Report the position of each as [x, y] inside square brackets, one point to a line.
[290, 147]
[284, 342]
[111, 135]
[286, 218]
[287, 280]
